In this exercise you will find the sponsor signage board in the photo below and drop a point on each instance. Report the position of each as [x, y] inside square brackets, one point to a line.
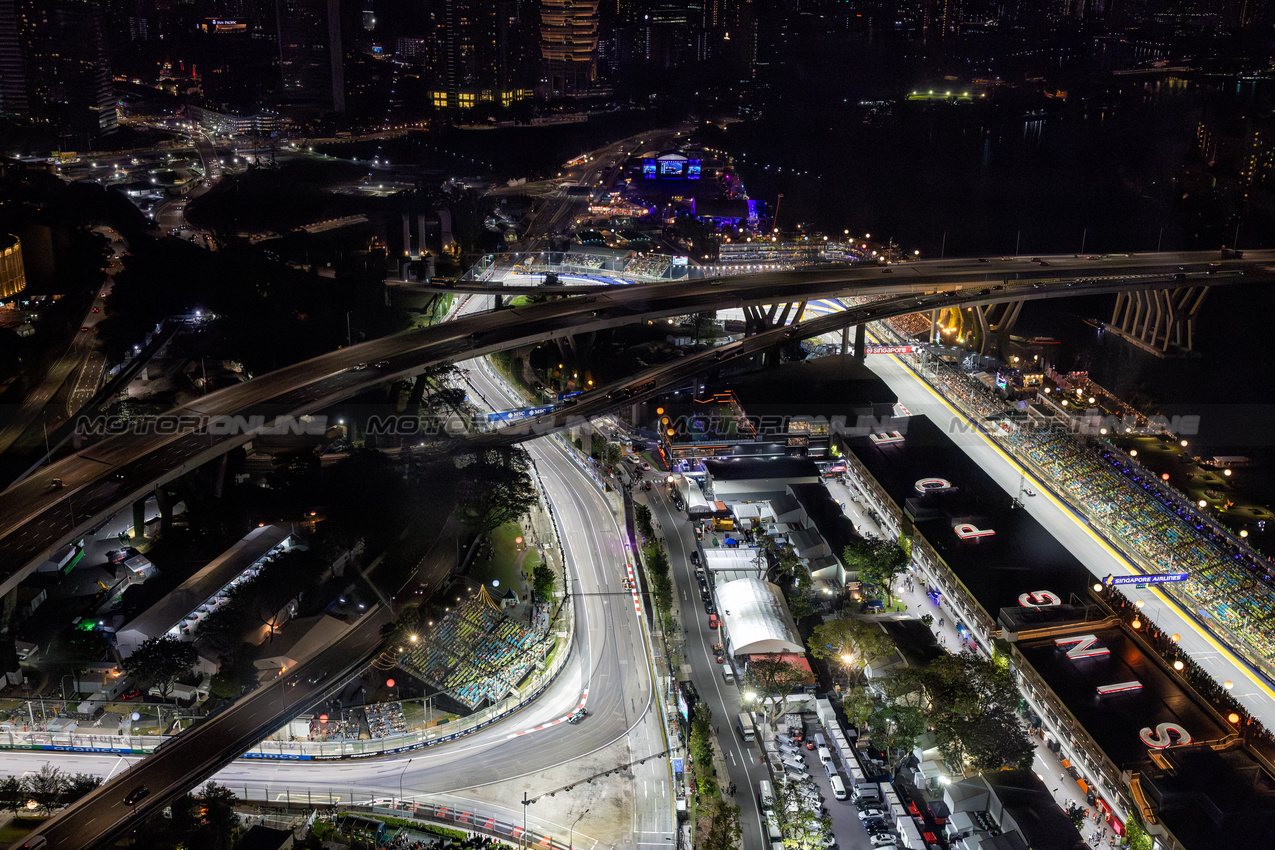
[1160, 578]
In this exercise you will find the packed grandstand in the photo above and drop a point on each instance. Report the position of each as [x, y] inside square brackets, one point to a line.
[1230, 584]
[476, 654]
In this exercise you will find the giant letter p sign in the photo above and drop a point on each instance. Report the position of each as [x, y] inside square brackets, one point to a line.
[966, 531]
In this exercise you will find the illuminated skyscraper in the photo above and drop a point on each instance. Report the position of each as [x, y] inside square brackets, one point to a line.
[569, 45]
[54, 67]
[311, 62]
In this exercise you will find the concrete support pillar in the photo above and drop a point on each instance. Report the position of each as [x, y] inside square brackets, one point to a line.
[1159, 320]
[407, 235]
[845, 340]
[1120, 313]
[1010, 311]
[420, 236]
[935, 325]
[860, 345]
[984, 328]
[223, 475]
[165, 504]
[139, 519]
[417, 394]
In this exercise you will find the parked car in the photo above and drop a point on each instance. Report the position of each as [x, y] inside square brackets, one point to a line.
[131, 693]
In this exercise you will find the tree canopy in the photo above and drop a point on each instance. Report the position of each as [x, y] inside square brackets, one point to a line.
[849, 641]
[773, 680]
[159, 661]
[496, 488]
[878, 562]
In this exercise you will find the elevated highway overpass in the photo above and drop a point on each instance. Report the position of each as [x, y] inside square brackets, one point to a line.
[40, 515]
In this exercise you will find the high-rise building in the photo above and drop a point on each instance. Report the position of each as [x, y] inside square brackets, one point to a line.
[482, 54]
[54, 67]
[13, 75]
[569, 46]
[311, 61]
[13, 278]
[672, 33]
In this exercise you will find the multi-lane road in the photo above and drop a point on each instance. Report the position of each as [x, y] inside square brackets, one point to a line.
[81, 362]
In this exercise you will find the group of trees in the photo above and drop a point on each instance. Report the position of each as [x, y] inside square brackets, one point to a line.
[542, 581]
[206, 821]
[969, 701]
[258, 603]
[159, 662]
[495, 487]
[607, 453]
[802, 823]
[49, 788]
[783, 562]
[657, 563]
[851, 643]
[657, 568]
[878, 563]
[722, 830]
[973, 709]
[773, 679]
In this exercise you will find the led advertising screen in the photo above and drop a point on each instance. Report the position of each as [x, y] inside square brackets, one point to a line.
[648, 169]
[672, 168]
[693, 169]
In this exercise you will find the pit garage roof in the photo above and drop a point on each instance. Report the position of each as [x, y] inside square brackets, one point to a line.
[757, 618]
[168, 613]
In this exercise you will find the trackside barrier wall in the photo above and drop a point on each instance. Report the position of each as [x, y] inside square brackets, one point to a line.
[461, 817]
[296, 750]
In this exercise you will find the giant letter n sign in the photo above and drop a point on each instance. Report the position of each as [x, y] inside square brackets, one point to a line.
[1082, 646]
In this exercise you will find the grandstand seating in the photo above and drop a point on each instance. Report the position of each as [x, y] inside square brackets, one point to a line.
[476, 653]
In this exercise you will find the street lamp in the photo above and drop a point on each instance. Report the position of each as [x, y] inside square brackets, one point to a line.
[400, 780]
[572, 833]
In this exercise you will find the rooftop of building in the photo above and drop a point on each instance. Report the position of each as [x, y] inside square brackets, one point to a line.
[748, 469]
[1210, 798]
